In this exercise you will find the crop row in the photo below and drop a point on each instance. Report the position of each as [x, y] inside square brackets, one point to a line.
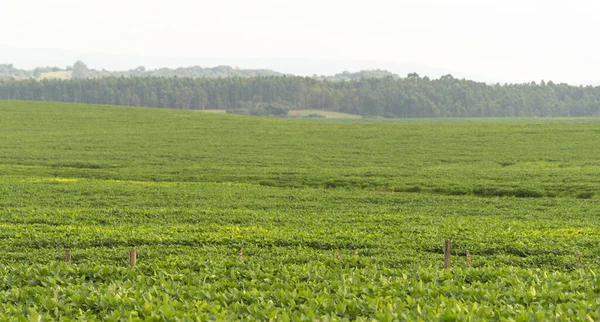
[201, 220]
[317, 290]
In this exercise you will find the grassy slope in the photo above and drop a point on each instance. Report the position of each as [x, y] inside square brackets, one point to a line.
[190, 189]
[326, 114]
[57, 75]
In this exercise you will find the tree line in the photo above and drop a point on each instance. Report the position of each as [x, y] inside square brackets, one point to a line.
[388, 96]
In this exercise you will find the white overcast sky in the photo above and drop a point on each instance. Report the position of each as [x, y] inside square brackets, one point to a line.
[508, 40]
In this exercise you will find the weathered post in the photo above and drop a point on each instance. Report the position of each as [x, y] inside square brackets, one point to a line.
[468, 259]
[447, 249]
[132, 257]
[67, 255]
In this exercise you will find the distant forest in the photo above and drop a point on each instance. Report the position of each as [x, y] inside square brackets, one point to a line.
[370, 94]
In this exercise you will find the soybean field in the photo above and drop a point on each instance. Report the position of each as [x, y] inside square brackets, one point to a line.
[246, 218]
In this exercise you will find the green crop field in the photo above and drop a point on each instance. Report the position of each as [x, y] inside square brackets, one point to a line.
[242, 218]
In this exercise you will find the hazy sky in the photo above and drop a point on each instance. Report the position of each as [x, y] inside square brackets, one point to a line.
[509, 40]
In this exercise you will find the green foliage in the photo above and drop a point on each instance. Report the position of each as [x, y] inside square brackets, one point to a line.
[80, 70]
[337, 220]
[322, 291]
[392, 97]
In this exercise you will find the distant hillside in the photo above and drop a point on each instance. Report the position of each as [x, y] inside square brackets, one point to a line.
[363, 74]
[66, 74]
[8, 71]
[30, 58]
[81, 71]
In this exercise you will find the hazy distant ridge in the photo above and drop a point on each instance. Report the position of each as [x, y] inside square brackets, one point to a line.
[81, 71]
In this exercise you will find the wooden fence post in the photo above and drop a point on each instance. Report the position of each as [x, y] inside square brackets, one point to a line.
[67, 255]
[132, 257]
[468, 259]
[579, 260]
[447, 249]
